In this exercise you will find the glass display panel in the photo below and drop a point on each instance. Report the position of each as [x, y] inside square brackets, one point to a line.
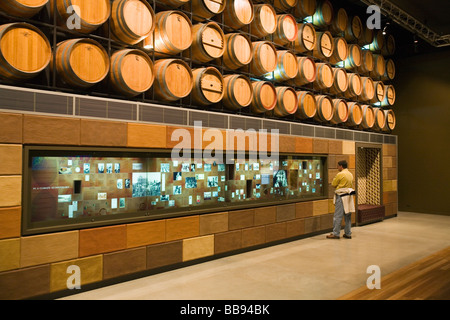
[67, 187]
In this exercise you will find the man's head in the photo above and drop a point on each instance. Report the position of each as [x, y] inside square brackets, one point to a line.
[342, 165]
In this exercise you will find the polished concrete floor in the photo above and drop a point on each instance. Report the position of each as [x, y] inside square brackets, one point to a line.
[313, 268]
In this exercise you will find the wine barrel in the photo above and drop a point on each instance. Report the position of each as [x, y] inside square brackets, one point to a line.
[287, 102]
[22, 8]
[284, 5]
[264, 58]
[354, 114]
[264, 97]
[131, 72]
[324, 108]
[390, 120]
[354, 85]
[354, 59]
[238, 13]
[238, 50]
[238, 91]
[389, 99]
[340, 111]
[286, 30]
[380, 119]
[305, 8]
[287, 66]
[378, 41]
[208, 86]
[306, 72]
[324, 76]
[24, 51]
[379, 66]
[306, 37]
[367, 63]
[204, 9]
[90, 14]
[340, 22]
[323, 16]
[368, 89]
[389, 74]
[173, 32]
[354, 30]
[173, 79]
[340, 51]
[368, 117]
[265, 20]
[307, 105]
[340, 81]
[81, 62]
[389, 46]
[366, 37]
[324, 45]
[208, 42]
[131, 20]
[380, 92]
[175, 3]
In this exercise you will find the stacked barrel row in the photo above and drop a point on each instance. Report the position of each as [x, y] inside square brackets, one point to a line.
[288, 57]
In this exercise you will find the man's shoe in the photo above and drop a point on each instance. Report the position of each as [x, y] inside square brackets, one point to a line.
[332, 236]
[347, 237]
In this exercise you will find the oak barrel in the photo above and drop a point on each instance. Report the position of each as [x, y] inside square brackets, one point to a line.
[264, 58]
[389, 46]
[173, 32]
[306, 37]
[390, 120]
[368, 117]
[354, 59]
[389, 99]
[389, 74]
[132, 20]
[175, 3]
[307, 105]
[286, 30]
[340, 51]
[173, 79]
[22, 8]
[379, 66]
[340, 81]
[238, 50]
[208, 42]
[238, 91]
[380, 119]
[306, 72]
[91, 14]
[81, 62]
[324, 108]
[340, 111]
[377, 42]
[324, 76]
[24, 51]
[380, 92]
[367, 63]
[287, 101]
[305, 8]
[366, 37]
[265, 20]
[284, 5]
[368, 89]
[323, 16]
[339, 23]
[354, 30]
[354, 85]
[208, 87]
[238, 13]
[264, 97]
[131, 72]
[354, 114]
[204, 9]
[324, 45]
[287, 66]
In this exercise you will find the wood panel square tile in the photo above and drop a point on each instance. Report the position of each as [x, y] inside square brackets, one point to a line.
[164, 254]
[253, 236]
[10, 219]
[320, 146]
[265, 215]
[312, 225]
[91, 270]
[303, 145]
[295, 228]
[47, 248]
[10, 159]
[326, 221]
[101, 240]
[124, 262]
[182, 228]
[213, 223]
[287, 144]
[11, 128]
[199, 247]
[9, 254]
[12, 186]
[241, 140]
[175, 136]
[304, 209]
[335, 147]
[103, 133]
[285, 212]
[145, 233]
[275, 231]
[214, 139]
[241, 219]
[320, 207]
[348, 147]
[36, 130]
[25, 283]
[227, 241]
[146, 136]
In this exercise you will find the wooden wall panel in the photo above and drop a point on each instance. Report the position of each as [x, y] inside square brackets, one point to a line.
[213, 223]
[303, 145]
[102, 240]
[295, 228]
[9, 254]
[320, 146]
[320, 207]
[146, 136]
[36, 130]
[47, 248]
[182, 228]
[145, 233]
[348, 147]
[119, 263]
[10, 222]
[11, 186]
[304, 209]
[265, 215]
[240, 219]
[25, 283]
[164, 254]
[11, 128]
[275, 231]
[253, 236]
[199, 247]
[103, 133]
[227, 241]
[286, 212]
[10, 159]
[335, 147]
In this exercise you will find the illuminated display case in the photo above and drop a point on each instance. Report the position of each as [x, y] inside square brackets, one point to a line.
[77, 188]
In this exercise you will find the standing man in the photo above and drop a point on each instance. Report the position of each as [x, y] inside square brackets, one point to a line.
[343, 201]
